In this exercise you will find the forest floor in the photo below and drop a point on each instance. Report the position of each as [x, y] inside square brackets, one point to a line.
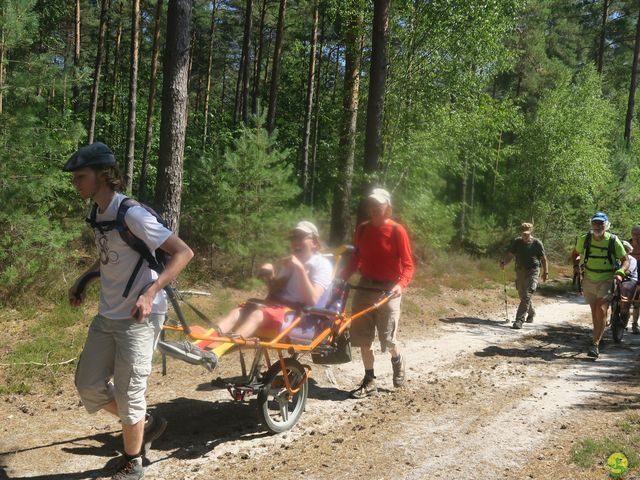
[482, 401]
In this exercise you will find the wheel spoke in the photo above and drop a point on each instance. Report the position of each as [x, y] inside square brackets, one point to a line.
[284, 411]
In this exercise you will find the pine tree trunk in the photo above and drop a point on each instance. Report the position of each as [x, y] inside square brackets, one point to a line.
[142, 185]
[496, 170]
[257, 71]
[373, 147]
[316, 127]
[266, 67]
[116, 63]
[605, 14]
[192, 48]
[275, 69]
[107, 58]
[133, 95]
[207, 96]
[340, 215]
[377, 78]
[463, 203]
[223, 89]
[246, 49]
[237, 97]
[2, 55]
[97, 69]
[308, 107]
[336, 75]
[634, 85]
[173, 124]
[75, 101]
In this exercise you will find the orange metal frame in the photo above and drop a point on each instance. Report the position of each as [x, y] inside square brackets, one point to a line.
[341, 321]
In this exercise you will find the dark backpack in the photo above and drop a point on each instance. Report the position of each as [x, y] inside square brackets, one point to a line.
[156, 260]
[610, 253]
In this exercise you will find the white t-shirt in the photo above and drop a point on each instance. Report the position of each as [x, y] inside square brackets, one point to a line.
[633, 269]
[319, 270]
[118, 260]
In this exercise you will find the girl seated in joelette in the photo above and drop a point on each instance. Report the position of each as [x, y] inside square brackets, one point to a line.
[302, 279]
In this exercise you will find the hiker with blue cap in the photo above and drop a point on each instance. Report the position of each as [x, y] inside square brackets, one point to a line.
[604, 259]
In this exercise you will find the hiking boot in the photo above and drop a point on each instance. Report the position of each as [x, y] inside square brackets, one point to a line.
[635, 330]
[154, 427]
[517, 325]
[130, 470]
[530, 318]
[593, 351]
[398, 371]
[367, 387]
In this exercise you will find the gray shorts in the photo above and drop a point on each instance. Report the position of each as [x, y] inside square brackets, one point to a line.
[115, 365]
[594, 291]
[385, 319]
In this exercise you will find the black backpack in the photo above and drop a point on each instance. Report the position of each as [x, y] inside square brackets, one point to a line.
[156, 260]
[610, 253]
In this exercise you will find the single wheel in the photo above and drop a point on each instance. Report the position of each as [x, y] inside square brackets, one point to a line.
[618, 320]
[277, 410]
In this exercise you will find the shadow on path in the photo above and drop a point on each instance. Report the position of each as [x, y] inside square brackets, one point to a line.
[195, 428]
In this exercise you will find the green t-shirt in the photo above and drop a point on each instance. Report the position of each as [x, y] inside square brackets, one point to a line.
[599, 249]
[528, 255]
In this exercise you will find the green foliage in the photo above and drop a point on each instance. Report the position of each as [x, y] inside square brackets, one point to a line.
[250, 209]
[564, 163]
[17, 21]
[36, 198]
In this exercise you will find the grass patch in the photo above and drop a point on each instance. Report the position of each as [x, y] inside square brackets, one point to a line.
[555, 288]
[462, 301]
[55, 337]
[512, 293]
[630, 424]
[460, 271]
[15, 388]
[592, 452]
[411, 308]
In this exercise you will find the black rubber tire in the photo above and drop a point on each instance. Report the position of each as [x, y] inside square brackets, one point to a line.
[617, 321]
[276, 410]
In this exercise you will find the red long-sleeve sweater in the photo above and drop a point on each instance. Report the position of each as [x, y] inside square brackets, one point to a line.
[382, 253]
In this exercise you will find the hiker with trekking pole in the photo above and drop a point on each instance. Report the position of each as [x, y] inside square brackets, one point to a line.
[529, 254]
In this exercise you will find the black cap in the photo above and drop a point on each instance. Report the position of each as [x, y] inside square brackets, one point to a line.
[95, 155]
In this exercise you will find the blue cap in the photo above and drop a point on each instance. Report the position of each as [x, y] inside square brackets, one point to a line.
[600, 217]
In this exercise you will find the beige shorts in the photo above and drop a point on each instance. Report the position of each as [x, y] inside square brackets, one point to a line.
[385, 319]
[594, 291]
[115, 365]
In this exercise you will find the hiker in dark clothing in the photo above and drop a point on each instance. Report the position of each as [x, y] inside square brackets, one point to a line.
[529, 254]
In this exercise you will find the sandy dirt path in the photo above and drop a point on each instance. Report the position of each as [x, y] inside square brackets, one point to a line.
[482, 401]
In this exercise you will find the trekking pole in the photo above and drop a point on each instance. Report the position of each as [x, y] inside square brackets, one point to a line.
[506, 304]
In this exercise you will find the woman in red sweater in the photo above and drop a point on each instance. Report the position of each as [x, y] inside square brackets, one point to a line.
[383, 257]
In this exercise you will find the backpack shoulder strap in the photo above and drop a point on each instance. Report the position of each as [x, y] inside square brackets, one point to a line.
[125, 205]
[102, 227]
[587, 247]
[611, 249]
[134, 242]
